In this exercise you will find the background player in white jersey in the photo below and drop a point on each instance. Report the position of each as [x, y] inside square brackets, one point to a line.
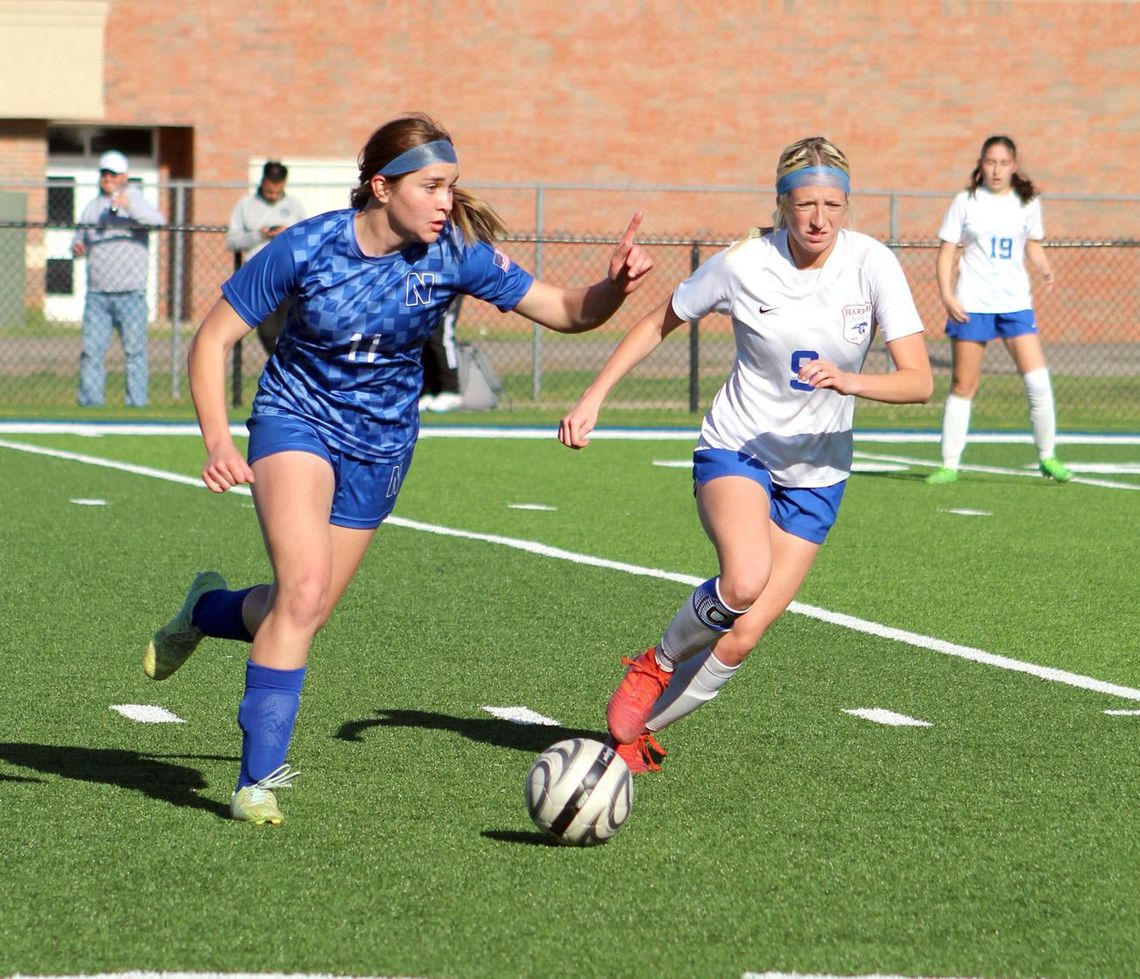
[775, 447]
[335, 418]
[997, 223]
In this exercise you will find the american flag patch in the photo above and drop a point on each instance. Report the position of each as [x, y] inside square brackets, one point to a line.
[501, 260]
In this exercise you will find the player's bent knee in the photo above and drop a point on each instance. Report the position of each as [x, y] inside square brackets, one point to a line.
[304, 606]
[741, 590]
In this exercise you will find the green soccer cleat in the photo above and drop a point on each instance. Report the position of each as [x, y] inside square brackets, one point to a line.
[1054, 468]
[942, 476]
[172, 645]
[257, 804]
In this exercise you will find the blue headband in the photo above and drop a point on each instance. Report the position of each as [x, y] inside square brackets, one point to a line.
[814, 177]
[418, 157]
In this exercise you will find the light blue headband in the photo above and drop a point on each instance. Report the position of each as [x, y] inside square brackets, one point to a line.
[814, 177]
[418, 157]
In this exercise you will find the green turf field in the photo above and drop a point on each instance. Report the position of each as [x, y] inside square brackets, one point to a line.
[785, 834]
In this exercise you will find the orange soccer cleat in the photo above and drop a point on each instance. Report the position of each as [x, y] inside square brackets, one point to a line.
[633, 701]
[643, 754]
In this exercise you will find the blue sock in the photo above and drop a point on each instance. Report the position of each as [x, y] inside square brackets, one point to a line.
[266, 717]
[218, 614]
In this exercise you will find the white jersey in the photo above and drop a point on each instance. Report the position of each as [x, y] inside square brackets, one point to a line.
[783, 316]
[992, 230]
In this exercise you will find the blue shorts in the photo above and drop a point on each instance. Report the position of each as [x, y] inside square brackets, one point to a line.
[807, 512]
[365, 489]
[983, 327]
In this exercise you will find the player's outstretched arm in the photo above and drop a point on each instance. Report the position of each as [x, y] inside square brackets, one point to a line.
[580, 309]
[207, 358]
[575, 427]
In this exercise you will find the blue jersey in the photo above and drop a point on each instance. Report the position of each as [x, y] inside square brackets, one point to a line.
[349, 359]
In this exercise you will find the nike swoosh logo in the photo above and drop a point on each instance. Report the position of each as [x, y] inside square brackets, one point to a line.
[765, 309]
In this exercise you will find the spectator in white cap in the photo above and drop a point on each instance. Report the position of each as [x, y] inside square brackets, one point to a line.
[113, 235]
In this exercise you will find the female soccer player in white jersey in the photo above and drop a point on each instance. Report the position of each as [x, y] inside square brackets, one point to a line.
[775, 447]
[997, 223]
[335, 417]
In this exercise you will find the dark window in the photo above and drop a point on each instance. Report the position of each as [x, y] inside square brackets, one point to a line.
[59, 277]
[65, 141]
[133, 142]
[60, 200]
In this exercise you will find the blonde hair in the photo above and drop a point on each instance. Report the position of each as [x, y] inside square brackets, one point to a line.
[475, 218]
[813, 151]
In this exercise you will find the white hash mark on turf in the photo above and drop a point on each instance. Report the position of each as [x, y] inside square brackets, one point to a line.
[1123, 713]
[80, 501]
[521, 715]
[147, 714]
[963, 512]
[881, 716]
[531, 506]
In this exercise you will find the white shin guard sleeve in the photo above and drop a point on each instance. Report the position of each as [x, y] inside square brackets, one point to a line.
[697, 624]
[955, 427]
[1042, 417]
[695, 681]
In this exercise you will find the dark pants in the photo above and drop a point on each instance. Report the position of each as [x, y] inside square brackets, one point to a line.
[441, 356]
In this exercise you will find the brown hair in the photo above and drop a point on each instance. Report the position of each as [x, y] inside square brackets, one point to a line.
[813, 151]
[1022, 186]
[475, 218]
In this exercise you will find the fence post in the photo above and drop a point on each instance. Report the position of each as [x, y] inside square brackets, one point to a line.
[536, 330]
[694, 342]
[178, 261]
[236, 399]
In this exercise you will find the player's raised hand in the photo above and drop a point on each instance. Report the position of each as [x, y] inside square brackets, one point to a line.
[630, 263]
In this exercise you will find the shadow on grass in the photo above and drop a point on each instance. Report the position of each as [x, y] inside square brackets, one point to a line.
[487, 730]
[524, 838]
[161, 780]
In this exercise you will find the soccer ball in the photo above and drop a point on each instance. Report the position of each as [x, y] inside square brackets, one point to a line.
[579, 792]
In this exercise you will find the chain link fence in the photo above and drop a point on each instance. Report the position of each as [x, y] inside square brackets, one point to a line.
[1090, 323]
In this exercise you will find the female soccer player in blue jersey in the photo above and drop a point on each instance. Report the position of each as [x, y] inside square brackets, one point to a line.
[997, 223]
[335, 417]
[775, 448]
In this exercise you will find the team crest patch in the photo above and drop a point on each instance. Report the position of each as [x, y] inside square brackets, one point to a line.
[501, 260]
[856, 322]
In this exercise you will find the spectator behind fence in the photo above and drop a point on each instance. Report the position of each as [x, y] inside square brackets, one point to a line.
[255, 221]
[441, 390]
[116, 248]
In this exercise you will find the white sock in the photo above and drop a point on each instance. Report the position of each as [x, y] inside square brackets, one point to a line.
[1043, 420]
[695, 682]
[955, 425]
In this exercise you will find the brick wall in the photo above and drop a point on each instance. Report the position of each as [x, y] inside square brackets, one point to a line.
[644, 92]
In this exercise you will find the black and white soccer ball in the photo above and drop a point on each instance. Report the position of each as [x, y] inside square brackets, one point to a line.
[579, 792]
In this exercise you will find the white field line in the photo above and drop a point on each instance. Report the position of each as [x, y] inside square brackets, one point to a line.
[994, 470]
[544, 550]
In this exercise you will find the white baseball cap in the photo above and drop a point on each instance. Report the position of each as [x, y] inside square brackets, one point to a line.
[114, 161]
